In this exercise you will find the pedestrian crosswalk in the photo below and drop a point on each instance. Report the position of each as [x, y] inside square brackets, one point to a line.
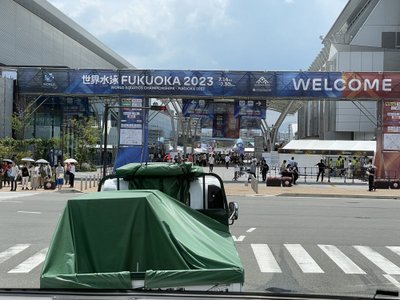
[27, 264]
[30, 263]
[268, 262]
[359, 260]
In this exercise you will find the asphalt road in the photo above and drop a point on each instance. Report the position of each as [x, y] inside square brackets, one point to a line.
[317, 245]
[27, 222]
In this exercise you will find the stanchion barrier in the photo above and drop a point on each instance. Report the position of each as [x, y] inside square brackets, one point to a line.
[305, 174]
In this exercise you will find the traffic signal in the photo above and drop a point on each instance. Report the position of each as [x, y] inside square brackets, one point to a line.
[158, 107]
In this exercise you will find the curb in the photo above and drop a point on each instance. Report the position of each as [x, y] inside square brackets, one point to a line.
[338, 196]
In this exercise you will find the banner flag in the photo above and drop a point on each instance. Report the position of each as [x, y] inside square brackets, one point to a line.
[133, 132]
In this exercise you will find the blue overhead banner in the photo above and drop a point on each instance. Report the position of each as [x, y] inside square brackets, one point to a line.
[209, 84]
[197, 108]
[250, 108]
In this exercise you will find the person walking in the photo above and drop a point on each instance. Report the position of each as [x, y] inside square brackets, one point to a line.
[371, 175]
[72, 175]
[227, 160]
[295, 172]
[252, 169]
[321, 170]
[211, 161]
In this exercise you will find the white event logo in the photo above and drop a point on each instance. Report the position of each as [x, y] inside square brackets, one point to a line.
[319, 84]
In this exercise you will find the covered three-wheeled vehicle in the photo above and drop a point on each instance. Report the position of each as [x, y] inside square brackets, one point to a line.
[144, 237]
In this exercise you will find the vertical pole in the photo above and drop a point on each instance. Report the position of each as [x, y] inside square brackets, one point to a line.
[104, 156]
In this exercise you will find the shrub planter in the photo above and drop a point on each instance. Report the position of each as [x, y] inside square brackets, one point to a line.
[381, 183]
[274, 181]
[287, 181]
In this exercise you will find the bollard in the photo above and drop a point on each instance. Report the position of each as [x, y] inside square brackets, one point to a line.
[90, 181]
[81, 184]
[95, 180]
[254, 184]
[85, 182]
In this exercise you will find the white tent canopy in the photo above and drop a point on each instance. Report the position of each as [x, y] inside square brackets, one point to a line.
[330, 145]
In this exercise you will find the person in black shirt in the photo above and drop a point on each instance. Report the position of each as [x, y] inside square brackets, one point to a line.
[321, 170]
[264, 169]
[371, 175]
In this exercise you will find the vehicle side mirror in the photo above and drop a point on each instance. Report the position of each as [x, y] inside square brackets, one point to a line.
[233, 212]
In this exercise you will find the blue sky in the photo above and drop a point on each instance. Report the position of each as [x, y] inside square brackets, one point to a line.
[209, 34]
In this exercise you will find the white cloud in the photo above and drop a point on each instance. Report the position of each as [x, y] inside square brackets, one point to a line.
[216, 34]
[152, 17]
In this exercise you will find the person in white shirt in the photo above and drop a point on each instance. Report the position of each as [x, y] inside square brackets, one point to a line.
[59, 176]
[35, 177]
[227, 160]
[211, 161]
[71, 175]
[13, 176]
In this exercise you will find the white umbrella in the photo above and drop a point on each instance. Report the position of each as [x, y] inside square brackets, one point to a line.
[42, 161]
[70, 160]
[7, 160]
[28, 159]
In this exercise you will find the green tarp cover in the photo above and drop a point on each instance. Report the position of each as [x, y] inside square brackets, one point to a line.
[104, 239]
[172, 179]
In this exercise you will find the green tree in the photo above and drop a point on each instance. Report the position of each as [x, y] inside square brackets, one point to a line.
[86, 136]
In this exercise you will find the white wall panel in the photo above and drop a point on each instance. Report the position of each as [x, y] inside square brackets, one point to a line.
[26, 39]
[384, 18]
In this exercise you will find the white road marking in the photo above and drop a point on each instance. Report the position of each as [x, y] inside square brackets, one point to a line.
[392, 280]
[395, 249]
[29, 212]
[10, 201]
[10, 252]
[380, 261]
[12, 195]
[251, 229]
[265, 259]
[31, 263]
[303, 259]
[239, 239]
[343, 262]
